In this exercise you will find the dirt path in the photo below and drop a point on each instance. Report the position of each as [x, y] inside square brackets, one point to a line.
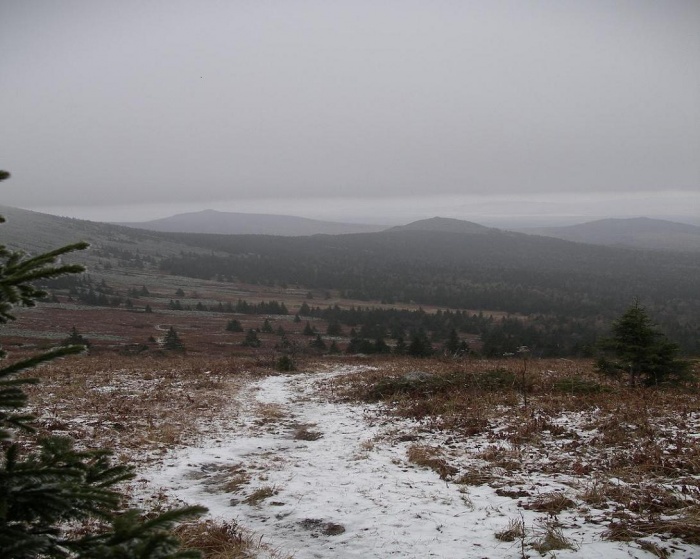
[319, 479]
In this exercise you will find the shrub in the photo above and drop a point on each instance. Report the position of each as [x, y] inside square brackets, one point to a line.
[640, 351]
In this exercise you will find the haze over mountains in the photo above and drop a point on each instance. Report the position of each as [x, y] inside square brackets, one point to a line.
[641, 232]
[233, 223]
[439, 261]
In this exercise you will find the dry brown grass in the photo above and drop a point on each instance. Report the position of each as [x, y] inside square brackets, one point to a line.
[551, 539]
[216, 540]
[306, 433]
[223, 540]
[142, 406]
[576, 424]
[260, 495]
[515, 530]
[135, 404]
[430, 457]
[552, 503]
[634, 450]
[685, 527]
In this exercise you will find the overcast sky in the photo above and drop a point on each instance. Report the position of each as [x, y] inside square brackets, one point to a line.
[335, 108]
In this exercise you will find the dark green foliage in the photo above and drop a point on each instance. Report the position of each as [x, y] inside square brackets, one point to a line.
[179, 292]
[297, 320]
[263, 307]
[251, 339]
[148, 309]
[640, 351]
[454, 346]
[380, 346]
[46, 485]
[492, 270]
[318, 343]
[333, 349]
[285, 364]
[309, 330]
[400, 347]
[75, 338]
[234, 325]
[420, 345]
[334, 328]
[172, 341]
[360, 345]
[285, 344]
[266, 327]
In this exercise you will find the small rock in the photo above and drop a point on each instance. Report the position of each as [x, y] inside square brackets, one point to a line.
[417, 376]
[333, 529]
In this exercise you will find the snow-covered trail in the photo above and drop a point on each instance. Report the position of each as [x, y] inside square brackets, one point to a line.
[350, 492]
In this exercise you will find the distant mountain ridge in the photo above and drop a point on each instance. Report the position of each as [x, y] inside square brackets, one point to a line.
[445, 225]
[637, 232]
[234, 223]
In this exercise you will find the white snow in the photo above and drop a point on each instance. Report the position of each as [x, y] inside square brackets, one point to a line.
[356, 475]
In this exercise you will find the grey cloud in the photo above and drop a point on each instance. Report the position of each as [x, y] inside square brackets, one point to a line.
[145, 102]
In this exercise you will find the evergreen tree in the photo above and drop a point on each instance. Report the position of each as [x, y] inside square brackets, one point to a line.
[641, 351]
[251, 339]
[380, 346]
[234, 325]
[420, 345]
[334, 328]
[267, 327]
[360, 345]
[308, 330]
[400, 347]
[172, 341]
[318, 343]
[284, 343]
[74, 338]
[452, 345]
[333, 349]
[285, 364]
[46, 484]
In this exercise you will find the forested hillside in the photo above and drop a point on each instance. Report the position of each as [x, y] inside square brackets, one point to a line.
[638, 232]
[569, 292]
[493, 270]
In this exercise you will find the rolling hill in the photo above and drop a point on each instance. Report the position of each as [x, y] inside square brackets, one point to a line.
[231, 223]
[639, 232]
[445, 225]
